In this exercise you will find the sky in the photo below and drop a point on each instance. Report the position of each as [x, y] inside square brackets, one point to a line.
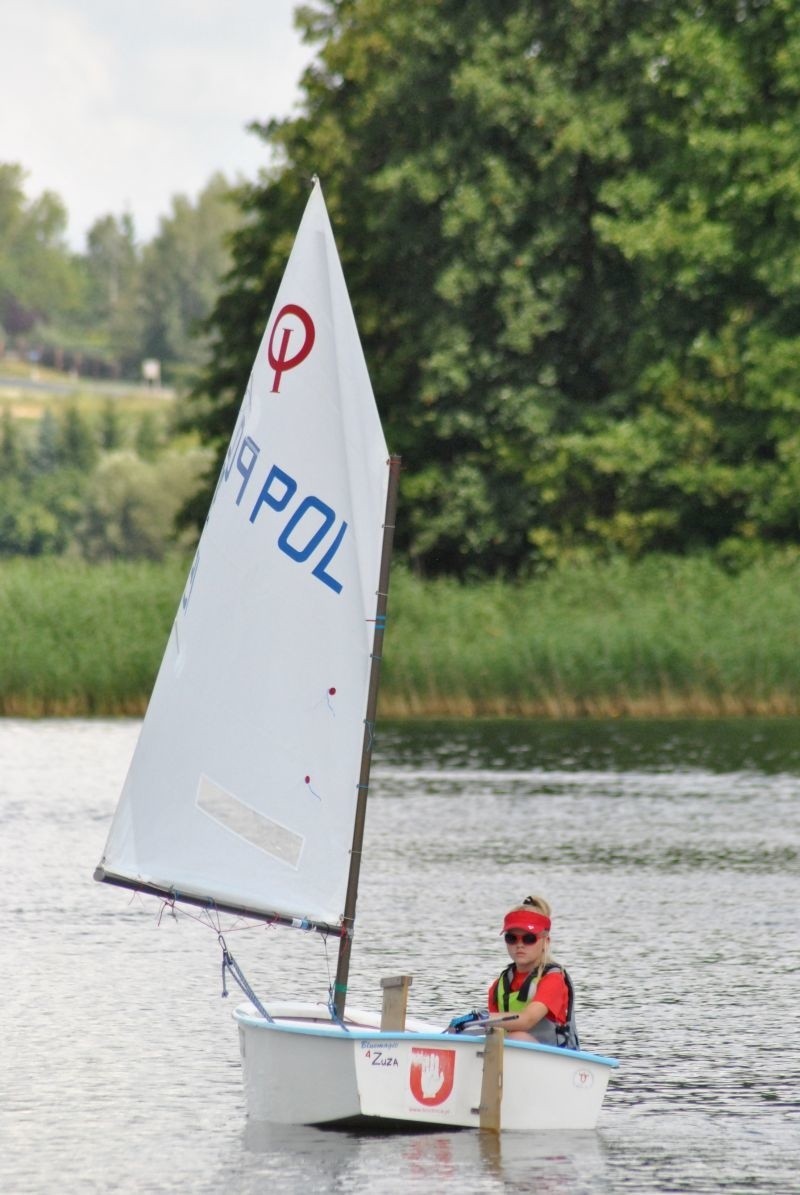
[118, 105]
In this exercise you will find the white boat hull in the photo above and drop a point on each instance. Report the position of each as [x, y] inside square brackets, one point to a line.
[303, 1069]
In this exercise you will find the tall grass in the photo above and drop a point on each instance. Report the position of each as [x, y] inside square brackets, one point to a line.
[666, 637]
[81, 639]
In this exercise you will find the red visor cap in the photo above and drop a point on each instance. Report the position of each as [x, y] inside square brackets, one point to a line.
[534, 923]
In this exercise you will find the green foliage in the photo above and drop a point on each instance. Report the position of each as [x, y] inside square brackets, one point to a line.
[664, 637]
[68, 486]
[181, 271]
[148, 438]
[77, 444]
[38, 517]
[571, 235]
[35, 270]
[11, 450]
[111, 315]
[45, 457]
[131, 505]
[77, 640]
[107, 309]
[111, 432]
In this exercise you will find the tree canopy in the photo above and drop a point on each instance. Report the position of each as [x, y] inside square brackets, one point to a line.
[106, 309]
[35, 274]
[570, 234]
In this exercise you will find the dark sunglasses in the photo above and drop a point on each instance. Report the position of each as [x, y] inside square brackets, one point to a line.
[526, 939]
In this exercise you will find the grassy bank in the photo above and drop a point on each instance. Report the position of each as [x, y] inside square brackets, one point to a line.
[78, 639]
[661, 638]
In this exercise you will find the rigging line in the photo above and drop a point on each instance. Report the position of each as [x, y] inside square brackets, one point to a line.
[229, 963]
[211, 912]
[203, 919]
[328, 969]
[166, 905]
[337, 1020]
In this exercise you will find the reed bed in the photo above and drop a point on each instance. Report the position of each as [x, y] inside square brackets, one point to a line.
[663, 638]
[666, 637]
[83, 639]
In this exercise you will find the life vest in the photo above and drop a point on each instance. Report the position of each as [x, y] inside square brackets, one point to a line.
[547, 1031]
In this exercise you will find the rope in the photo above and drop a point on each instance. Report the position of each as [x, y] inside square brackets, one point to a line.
[337, 1020]
[229, 964]
[209, 917]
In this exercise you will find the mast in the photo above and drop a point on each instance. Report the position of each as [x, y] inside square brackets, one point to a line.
[346, 940]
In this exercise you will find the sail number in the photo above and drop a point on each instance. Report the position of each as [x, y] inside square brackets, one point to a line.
[312, 528]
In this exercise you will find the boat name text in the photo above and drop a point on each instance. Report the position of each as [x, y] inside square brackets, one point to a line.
[380, 1058]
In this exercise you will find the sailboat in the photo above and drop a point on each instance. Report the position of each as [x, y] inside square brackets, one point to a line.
[247, 790]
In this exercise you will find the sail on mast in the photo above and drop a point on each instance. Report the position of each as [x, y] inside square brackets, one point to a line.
[243, 786]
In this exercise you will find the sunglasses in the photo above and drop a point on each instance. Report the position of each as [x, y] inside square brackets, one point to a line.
[526, 939]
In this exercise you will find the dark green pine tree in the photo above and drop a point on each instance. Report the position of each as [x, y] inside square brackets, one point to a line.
[12, 454]
[77, 447]
[111, 427]
[45, 457]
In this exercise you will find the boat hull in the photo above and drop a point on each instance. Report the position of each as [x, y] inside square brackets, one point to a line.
[303, 1069]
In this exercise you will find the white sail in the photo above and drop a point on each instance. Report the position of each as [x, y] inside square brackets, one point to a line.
[243, 785]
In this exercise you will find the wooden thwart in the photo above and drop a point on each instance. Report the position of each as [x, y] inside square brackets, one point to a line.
[395, 1003]
[492, 1081]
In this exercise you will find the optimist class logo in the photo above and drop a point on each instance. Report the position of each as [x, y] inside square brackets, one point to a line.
[286, 325]
[431, 1075]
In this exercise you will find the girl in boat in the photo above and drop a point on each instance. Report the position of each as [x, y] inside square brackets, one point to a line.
[536, 989]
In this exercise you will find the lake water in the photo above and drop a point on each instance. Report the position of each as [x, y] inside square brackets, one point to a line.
[670, 854]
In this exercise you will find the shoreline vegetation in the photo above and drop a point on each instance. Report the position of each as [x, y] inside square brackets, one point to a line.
[663, 638]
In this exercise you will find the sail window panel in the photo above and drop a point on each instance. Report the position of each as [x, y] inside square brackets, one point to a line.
[256, 828]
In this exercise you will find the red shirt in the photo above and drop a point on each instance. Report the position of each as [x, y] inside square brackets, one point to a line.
[551, 990]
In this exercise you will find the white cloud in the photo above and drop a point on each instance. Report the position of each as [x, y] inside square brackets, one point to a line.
[117, 105]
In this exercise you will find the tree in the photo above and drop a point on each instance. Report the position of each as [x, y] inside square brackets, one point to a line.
[38, 278]
[117, 303]
[434, 128]
[570, 235]
[12, 454]
[77, 447]
[148, 437]
[181, 271]
[111, 429]
[46, 453]
[112, 268]
[39, 516]
[131, 504]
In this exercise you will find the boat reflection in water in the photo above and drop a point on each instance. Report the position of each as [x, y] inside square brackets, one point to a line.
[433, 1161]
